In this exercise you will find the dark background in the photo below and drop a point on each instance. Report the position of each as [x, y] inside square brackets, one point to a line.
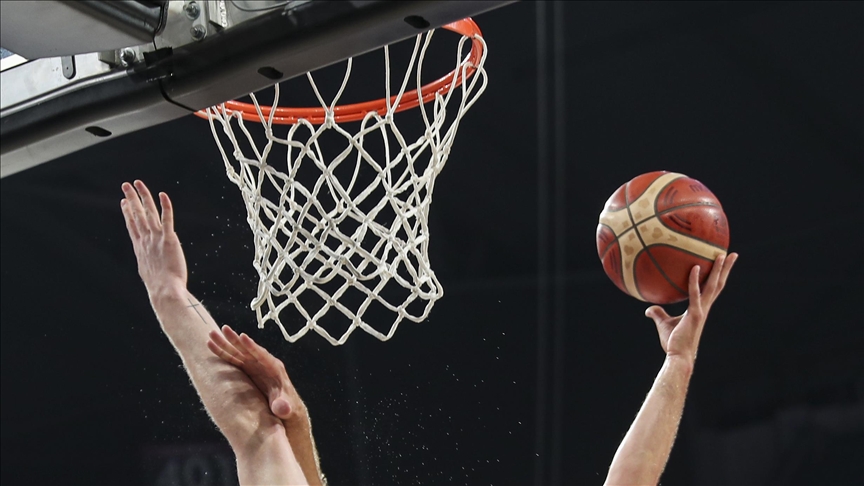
[532, 367]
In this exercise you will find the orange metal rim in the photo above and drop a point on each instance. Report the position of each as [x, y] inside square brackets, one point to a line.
[357, 111]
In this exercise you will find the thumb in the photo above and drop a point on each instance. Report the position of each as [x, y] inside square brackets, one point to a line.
[656, 313]
[280, 407]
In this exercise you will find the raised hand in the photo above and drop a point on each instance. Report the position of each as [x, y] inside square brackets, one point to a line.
[679, 335]
[266, 371]
[161, 263]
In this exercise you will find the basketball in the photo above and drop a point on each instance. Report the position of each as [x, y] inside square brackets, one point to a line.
[655, 229]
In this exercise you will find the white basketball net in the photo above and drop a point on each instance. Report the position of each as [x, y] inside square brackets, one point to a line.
[312, 236]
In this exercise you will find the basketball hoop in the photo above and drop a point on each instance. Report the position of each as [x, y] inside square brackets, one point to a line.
[333, 232]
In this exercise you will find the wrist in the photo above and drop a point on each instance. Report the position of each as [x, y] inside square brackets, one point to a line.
[167, 293]
[680, 363]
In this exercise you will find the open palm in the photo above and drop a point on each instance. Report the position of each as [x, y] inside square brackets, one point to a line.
[161, 263]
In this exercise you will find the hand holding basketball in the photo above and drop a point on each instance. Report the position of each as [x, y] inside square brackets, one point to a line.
[654, 229]
[679, 335]
[161, 263]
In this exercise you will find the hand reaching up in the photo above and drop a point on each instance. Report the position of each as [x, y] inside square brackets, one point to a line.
[161, 263]
[679, 335]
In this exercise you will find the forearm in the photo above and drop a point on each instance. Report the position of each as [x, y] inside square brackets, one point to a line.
[643, 453]
[299, 432]
[235, 404]
[264, 455]
[231, 399]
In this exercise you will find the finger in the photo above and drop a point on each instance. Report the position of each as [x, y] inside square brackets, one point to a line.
[656, 313]
[281, 408]
[167, 212]
[223, 355]
[695, 308]
[130, 222]
[727, 267]
[234, 339]
[220, 341]
[248, 346]
[254, 349]
[694, 284]
[136, 210]
[150, 209]
[714, 277]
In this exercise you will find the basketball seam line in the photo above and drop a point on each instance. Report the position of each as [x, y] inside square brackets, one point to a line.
[702, 257]
[674, 230]
[658, 214]
[616, 238]
[608, 248]
[639, 235]
[690, 205]
[665, 211]
[635, 281]
[610, 244]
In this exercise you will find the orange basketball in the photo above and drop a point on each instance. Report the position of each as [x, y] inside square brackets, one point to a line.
[654, 229]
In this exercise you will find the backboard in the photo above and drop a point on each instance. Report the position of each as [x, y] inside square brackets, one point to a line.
[85, 72]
